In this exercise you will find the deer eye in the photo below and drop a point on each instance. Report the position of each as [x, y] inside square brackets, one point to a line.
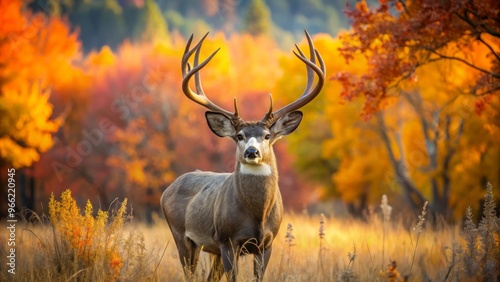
[267, 137]
[239, 137]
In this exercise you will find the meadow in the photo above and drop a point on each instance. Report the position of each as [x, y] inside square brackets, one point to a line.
[77, 244]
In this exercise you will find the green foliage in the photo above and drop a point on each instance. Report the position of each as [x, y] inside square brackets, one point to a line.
[174, 18]
[314, 15]
[150, 24]
[110, 22]
[308, 151]
[176, 22]
[257, 20]
[100, 23]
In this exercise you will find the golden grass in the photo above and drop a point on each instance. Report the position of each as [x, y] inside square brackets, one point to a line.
[305, 250]
[303, 261]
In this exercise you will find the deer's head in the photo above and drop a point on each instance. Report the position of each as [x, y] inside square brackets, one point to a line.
[254, 139]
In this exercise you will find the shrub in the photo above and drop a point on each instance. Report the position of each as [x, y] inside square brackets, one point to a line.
[86, 240]
[79, 245]
[481, 253]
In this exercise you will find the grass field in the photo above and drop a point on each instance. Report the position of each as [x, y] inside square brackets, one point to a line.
[347, 250]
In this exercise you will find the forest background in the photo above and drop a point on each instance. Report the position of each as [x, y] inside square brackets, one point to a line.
[90, 99]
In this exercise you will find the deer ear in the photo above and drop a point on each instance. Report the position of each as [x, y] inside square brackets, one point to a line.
[287, 123]
[220, 124]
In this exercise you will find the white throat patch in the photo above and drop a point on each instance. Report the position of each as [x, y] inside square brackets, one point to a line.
[262, 170]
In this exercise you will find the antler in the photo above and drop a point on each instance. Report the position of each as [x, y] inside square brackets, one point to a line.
[308, 95]
[188, 72]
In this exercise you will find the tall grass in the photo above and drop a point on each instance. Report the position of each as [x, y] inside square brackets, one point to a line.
[81, 245]
[72, 244]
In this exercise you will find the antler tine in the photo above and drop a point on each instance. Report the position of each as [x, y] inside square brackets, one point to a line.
[197, 81]
[185, 57]
[269, 114]
[308, 95]
[310, 74]
[236, 114]
[187, 72]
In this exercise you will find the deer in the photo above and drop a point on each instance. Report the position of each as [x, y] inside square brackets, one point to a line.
[229, 215]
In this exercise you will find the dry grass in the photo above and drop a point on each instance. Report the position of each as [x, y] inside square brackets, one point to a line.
[336, 250]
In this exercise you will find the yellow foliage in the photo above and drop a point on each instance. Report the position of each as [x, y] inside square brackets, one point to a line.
[135, 169]
[357, 146]
[90, 239]
[25, 124]
[36, 58]
[105, 57]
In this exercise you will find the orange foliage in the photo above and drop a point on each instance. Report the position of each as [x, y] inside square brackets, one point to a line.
[130, 131]
[158, 133]
[89, 239]
[360, 158]
[423, 32]
[36, 56]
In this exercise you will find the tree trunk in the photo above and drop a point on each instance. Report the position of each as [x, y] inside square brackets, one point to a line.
[26, 188]
[3, 189]
[412, 194]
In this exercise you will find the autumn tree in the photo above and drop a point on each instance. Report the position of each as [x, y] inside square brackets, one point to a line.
[99, 22]
[83, 157]
[147, 109]
[353, 157]
[427, 136]
[314, 129]
[398, 41]
[150, 23]
[398, 38]
[334, 148]
[257, 19]
[37, 56]
[167, 135]
[137, 131]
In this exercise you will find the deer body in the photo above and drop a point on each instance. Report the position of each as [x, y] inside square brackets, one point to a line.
[233, 214]
[215, 208]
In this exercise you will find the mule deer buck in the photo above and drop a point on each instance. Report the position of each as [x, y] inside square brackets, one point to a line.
[232, 214]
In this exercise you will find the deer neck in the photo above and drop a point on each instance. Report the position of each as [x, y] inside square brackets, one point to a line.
[257, 187]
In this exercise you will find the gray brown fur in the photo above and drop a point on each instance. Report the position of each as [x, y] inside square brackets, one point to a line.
[232, 214]
[229, 214]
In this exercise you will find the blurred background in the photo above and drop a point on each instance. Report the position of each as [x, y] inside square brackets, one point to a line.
[91, 101]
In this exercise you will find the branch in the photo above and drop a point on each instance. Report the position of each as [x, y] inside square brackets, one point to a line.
[399, 139]
[463, 61]
[400, 171]
[489, 47]
[435, 124]
[419, 110]
[404, 7]
[491, 32]
[385, 138]
[437, 115]
[449, 155]
[473, 25]
[486, 92]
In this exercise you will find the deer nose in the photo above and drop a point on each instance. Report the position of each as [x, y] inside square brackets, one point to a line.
[251, 153]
